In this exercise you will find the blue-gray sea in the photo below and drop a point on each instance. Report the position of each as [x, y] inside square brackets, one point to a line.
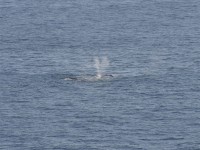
[151, 100]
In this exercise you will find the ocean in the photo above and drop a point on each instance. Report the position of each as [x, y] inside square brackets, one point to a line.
[99, 75]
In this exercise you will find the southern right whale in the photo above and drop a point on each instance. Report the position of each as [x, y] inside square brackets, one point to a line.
[89, 78]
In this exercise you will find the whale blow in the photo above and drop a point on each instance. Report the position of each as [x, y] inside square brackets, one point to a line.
[100, 65]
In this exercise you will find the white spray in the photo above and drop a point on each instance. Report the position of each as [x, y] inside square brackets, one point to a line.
[100, 66]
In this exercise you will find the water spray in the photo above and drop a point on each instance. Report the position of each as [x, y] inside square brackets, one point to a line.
[100, 66]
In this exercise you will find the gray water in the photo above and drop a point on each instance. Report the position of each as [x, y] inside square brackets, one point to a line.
[150, 103]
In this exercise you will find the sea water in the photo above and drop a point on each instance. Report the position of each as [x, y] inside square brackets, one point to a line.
[151, 103]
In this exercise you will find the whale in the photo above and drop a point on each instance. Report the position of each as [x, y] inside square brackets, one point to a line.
[89, 78]
[100, 65]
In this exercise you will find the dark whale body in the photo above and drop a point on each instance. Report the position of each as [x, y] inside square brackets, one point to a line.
[73, 78]
[89, 78]
[108, 75]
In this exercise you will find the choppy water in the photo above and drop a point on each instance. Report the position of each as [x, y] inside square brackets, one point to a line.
[151, 103]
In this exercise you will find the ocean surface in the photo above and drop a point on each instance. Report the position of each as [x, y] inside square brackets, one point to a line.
[151, 100]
